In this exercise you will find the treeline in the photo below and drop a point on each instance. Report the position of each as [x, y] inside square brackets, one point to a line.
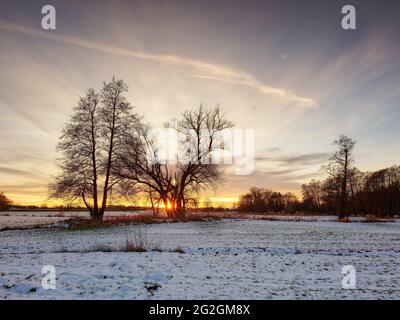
[261, 200]
[369, 193]
[346, 191]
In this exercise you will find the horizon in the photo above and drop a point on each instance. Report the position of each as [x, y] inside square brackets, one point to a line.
[288, 71]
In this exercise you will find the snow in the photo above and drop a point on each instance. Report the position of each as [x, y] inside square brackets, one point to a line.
[227, 259]
[24, 222]
[33, 219]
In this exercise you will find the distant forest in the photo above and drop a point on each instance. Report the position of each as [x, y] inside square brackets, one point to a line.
[346, 191]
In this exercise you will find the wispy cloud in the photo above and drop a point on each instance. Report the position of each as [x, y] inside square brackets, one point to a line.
[202, 69]
[26, 116]
[12, 171]
[34, 174]
[300, 159]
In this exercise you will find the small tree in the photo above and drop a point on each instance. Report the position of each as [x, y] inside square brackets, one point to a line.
[4, 201]
[339, 168]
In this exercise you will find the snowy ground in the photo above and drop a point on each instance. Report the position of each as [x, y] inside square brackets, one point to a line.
[34, 219]
[229, 259]
[26, 222]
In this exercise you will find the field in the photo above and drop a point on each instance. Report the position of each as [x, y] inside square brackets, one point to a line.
[226, 259]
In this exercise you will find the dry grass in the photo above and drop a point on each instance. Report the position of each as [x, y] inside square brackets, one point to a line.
[131, 246]
[140, 242]
[141, 218]
[78, 223]
[178, 249]
[211, 216]
[87, 223]
[102, 248]
[368, 219]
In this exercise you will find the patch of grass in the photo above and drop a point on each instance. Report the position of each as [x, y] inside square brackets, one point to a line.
[87, 223]
[131, 246]
[83, 223]
[140, 242]
[136, 218]
[137, 242]
[178, 249]
[102, 248]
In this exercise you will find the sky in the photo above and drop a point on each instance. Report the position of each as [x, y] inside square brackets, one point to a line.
[286, 69]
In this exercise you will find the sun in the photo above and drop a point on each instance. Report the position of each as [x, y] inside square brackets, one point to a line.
[170, 205]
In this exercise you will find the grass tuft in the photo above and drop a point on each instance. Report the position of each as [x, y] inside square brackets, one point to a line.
[178, 249]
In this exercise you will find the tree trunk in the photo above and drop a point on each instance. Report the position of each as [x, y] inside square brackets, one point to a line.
[180, 207]
[166, 205]
[95, 211]
[343, 200]
[109, 160]
[98, 217]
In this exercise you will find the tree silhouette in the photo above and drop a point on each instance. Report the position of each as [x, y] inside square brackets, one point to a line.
[88, 143]
[339, 168]
[178, 183]
[4, 201]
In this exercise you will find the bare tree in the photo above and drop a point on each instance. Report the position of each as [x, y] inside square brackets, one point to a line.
[116, 117]
[202, 129]
[80, 147]
[4, 201]
[340, 166]
[175, 184]
[312, 196]
[88, 143]
[291, 202]
[262, 200]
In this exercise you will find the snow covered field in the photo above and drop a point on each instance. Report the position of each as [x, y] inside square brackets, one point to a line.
[25, 222]
[32, 219]
[228, 259]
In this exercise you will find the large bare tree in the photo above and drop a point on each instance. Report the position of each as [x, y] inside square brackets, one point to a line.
[175, 184]
[340, 168]
[88, 143]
